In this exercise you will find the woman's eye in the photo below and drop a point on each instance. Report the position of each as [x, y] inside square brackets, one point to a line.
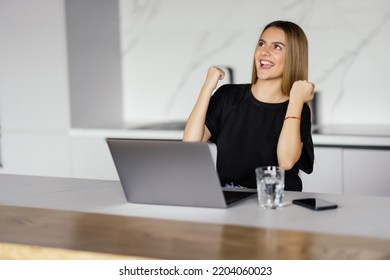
[278, 47]
[261, 44]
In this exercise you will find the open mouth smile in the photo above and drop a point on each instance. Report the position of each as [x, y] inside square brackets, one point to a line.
[266, 64]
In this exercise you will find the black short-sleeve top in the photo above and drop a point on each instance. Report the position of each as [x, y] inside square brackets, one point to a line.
[246, 132]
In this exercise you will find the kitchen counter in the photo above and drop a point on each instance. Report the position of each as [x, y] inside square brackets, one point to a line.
[331, 135]
[39, 213]
[353, 217]
[352, 135]
[339, 151]
[127, 133]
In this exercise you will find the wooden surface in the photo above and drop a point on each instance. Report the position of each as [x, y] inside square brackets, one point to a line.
[360, 216]
[10, 251]
[35, 230]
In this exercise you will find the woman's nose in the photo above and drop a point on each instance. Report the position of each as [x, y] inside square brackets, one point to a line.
[265, 51]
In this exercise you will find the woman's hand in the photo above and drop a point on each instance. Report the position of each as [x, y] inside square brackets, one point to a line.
[302, 91]
[214, 75]
[195, 129]
[289, 144]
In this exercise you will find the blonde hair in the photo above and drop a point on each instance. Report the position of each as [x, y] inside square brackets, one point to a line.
[297, 61]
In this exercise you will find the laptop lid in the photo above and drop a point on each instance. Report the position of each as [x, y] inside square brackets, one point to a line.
[167, 172]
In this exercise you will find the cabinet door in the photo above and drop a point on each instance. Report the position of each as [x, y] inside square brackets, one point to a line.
[367, 172]
[91, 158]
[35, 153]
[327, 174]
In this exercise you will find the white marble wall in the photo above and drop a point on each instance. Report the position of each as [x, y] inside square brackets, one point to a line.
[350, 45]
[168, 45]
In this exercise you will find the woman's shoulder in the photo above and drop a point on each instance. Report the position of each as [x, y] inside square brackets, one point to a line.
[235, 87]
[233, 91]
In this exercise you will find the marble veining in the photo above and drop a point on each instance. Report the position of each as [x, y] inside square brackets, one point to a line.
[346, 60]
[198, 60]
[167, 47]
[136, 16]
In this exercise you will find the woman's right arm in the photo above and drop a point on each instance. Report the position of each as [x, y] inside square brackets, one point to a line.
[195, 129]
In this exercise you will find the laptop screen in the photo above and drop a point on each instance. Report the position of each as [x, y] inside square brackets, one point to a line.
[167, 172]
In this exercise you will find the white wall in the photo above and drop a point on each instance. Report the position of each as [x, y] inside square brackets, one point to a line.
[40, 94]
[34, 99]
[33, 68]
[168, 45]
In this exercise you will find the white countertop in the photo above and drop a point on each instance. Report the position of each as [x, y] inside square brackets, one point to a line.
[352, 135]
[330, 139]
[128, 133]
[356, 216]
[351, 140]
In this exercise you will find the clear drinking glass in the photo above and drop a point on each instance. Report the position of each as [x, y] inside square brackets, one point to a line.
[270, 186]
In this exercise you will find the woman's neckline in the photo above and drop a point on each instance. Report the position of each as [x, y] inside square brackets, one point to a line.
[277, 102]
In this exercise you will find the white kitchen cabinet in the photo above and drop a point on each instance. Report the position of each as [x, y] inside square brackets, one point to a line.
[33, 68]
[36, 153]
[34, 97]
[346, 170]
[337, 170]
[366, 171]
[91, 158]
[328, 172]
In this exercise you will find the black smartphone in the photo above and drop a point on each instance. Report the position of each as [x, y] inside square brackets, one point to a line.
[315, 203]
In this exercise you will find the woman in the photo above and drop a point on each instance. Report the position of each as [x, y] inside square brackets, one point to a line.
[267, 122]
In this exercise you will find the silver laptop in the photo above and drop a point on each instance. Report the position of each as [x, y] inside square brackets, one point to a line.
[171, 173]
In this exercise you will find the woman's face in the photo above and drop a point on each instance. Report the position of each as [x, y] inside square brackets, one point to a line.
[270, 54]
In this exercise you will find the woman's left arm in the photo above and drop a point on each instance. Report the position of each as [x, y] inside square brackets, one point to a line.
[289, 144]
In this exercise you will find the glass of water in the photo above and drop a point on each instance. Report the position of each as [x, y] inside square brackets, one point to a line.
[270, 186]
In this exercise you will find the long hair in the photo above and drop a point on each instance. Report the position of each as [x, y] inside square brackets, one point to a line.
[297, 61]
